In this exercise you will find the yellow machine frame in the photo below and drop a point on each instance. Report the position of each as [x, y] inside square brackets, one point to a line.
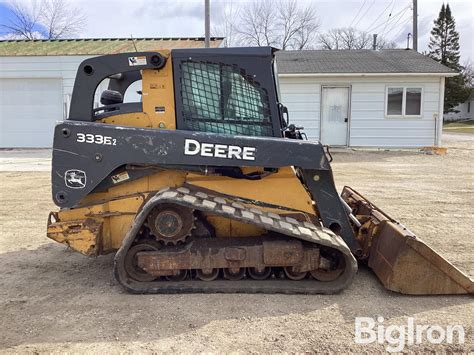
[100, 223]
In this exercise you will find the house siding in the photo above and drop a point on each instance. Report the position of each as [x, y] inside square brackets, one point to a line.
[368, 125]
[302, 95]
[46, 67]
[29, 69]
[464, 111]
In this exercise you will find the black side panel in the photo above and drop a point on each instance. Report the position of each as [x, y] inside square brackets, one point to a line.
[321, 185]
[126, 79]
[92, 71]
[85, 154]
[118, 109]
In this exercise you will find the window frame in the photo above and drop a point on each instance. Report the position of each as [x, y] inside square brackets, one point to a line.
[404, 99]
[255, 61]
[244, 109]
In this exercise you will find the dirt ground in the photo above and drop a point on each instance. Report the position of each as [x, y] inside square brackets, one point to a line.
[54, 300]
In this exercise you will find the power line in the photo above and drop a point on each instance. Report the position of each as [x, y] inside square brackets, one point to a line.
[394, 38]
[392, 18]
[399, 18]
[402, 27]
[391, 11]
[378, 17]
[389, 15]
[365, 13]
[357, 14]
[393, 25]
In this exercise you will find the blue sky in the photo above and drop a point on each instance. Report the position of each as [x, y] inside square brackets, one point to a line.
[5, 15]
[184, 18]
[4, 12]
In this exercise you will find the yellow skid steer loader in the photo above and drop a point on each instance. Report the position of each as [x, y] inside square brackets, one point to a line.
[202, 185]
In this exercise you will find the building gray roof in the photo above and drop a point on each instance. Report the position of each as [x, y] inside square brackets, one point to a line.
[98, 46]
[358, 62]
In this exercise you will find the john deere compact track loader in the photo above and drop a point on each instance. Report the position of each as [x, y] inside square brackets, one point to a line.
[202, 185]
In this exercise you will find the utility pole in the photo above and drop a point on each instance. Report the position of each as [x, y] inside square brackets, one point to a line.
[415, 25]
[207, 24]
[374, 42]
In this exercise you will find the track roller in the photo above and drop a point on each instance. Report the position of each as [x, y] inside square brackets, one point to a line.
[293, 274]
[234, 274]
[180, 276]
[259, 273]
[207, 274]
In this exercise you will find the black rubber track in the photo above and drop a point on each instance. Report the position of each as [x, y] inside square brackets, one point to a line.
[229, 208]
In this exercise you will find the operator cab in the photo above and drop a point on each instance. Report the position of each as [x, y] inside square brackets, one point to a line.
[220, 90]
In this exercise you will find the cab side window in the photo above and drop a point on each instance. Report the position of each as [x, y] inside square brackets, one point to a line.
[222, 98]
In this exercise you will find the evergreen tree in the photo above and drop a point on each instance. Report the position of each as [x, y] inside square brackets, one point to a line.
[444, 48]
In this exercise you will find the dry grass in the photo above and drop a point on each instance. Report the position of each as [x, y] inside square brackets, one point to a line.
[459, 127]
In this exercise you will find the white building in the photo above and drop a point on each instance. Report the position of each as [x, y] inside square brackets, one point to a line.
[391, 98]
[366, 98]
[464, 111]
[37, 77]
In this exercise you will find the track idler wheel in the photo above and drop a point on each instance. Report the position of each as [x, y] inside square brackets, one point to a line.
[207, 274]
[259, 273]
[293, 274]
[234, 274]
[326, 275]
[131, 262]
[334, 267]
[171, 223]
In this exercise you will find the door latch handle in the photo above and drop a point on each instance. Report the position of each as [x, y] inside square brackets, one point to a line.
[346, 119]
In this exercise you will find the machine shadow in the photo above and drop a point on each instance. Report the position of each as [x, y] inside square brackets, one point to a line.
[54, 295]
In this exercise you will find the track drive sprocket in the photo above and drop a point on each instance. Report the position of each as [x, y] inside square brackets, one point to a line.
[171, 223]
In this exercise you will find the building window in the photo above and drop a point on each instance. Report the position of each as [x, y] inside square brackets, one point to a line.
[469, 107]
[394, 101]
[403, 101]
[413, 101]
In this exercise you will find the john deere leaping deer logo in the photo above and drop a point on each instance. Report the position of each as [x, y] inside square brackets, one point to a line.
[75, 179]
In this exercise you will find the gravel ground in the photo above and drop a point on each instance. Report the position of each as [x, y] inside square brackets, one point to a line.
[54, 300]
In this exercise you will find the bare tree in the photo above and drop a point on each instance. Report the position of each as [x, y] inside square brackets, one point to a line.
[468, 73]
[382, 43]
[49, 19]
[226, 17]
[61, 20]
[344, 38]
[350, 38]
[299, 26]
[283, 24]
[24, 20]
[256, 24]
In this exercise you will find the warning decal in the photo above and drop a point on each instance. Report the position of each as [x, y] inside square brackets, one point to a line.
[132, 61]
[123, 176]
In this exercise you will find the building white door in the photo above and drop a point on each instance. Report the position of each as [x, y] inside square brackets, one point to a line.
[334, 115]
[29, 109]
